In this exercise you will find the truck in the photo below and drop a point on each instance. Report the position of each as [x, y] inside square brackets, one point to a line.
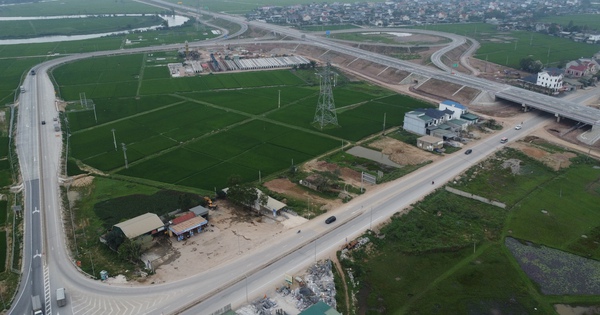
[36, 305]
[61, 298]
[56, 126]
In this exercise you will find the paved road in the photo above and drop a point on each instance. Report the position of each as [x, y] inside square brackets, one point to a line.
[39, 150]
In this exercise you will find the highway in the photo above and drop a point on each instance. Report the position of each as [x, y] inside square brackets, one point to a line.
[47, 266]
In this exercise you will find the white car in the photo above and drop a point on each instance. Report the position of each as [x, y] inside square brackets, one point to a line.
[518, 127]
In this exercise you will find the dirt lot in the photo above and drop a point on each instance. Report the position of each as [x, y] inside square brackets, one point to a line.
[231, 232]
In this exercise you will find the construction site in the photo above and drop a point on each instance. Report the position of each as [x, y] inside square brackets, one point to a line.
[198, 61]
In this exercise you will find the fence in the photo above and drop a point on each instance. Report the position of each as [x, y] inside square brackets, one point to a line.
[475, 197]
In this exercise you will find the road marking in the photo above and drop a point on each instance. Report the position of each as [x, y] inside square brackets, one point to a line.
[35, 210]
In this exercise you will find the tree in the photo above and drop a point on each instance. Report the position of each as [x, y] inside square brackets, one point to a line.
[130, 250]
[114, 238]
[530, 65]
[242, 195]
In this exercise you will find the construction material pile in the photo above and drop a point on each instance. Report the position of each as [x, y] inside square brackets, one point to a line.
[317, 286]
[264, 306]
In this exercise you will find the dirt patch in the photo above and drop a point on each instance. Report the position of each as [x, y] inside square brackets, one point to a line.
[82, 181]
[231, 232]
[403, 153]
[554, 160]
[348, 176]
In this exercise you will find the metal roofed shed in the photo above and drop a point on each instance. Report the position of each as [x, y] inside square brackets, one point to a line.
[188, 226]
[320, 308]
[200, 211]
[182, 218]
[430, 143]
[139, 225]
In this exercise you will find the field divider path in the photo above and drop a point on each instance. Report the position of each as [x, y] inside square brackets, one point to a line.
[128, 117]
[141, 75]
[444, 276]
[263, 118]
[532, 290]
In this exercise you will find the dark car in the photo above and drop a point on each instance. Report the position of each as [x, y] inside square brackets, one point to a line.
[330, 219]
[43, 122]
[32, 72]
[468, 152]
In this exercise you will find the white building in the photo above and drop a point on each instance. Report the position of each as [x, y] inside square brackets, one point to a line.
[458, 109]
[551, 78]
[419, 120]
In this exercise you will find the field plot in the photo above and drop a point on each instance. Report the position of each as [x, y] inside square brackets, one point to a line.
[199, 131]
[256, 146]
[468, 290]
[90, 25]
[254, 101]
[66, 7]
[578, 191]
[358, 116]
[108, 110]
[99, 77]
[508, 48]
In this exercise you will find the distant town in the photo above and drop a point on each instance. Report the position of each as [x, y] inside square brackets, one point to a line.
[521, 15]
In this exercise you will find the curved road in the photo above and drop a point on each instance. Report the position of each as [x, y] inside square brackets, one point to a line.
[39, 149]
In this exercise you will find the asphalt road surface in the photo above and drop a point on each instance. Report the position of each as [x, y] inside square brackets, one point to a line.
[47, 265]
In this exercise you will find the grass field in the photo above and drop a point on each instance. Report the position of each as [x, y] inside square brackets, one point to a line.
[198, 131]
[508, 48]
[323, 28]
[38, 28]
[441, 257]
[590, 20]
[69, 7]
[382, 38]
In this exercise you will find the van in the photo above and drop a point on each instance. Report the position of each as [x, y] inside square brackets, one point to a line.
[61, 298]
[503, 140]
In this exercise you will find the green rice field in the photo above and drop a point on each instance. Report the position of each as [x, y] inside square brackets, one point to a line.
[38, 28]
[509, 47]
[70, 7]
[198, 131]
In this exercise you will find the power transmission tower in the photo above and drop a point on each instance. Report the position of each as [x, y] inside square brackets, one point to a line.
[198, 17]
[83, 100]
[325, 114]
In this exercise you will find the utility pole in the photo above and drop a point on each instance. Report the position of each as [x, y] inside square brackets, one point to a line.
[531, 39]
[67, 153]
[125, 154]
[259, 179]
[246, 288]
[279, 99]
[371, 224]
[95, 117]
[383, 131]
[486, 61]
[114, 138]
